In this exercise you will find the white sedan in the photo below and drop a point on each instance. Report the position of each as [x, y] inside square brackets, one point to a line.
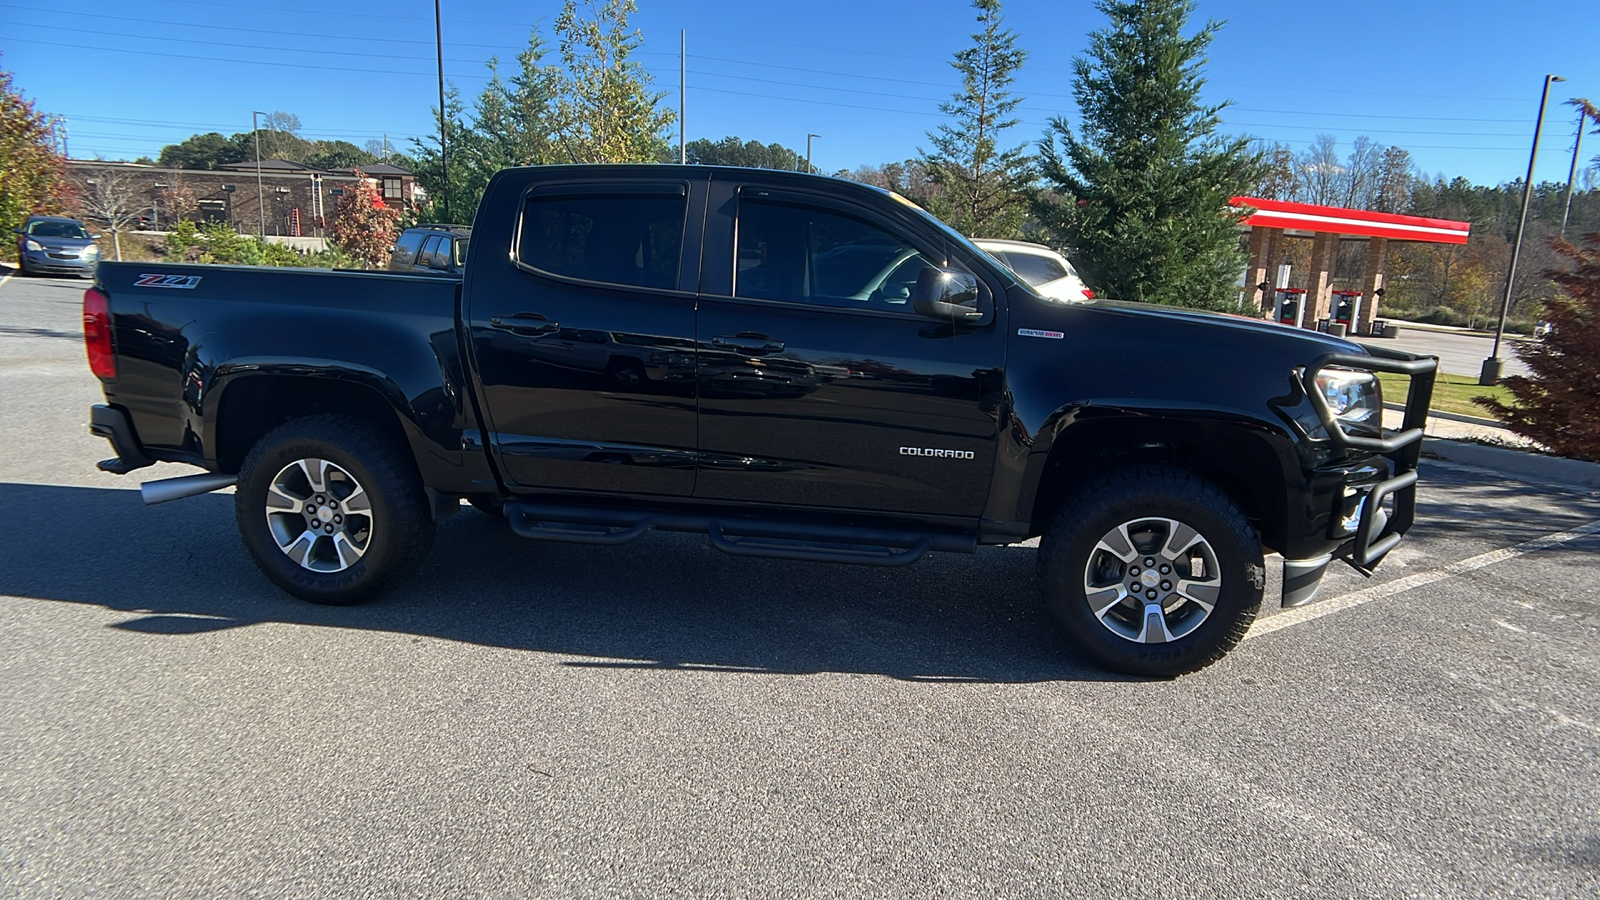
[1043, 269]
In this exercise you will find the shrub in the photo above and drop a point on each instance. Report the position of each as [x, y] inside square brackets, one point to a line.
[362, 226]
[1556, 404]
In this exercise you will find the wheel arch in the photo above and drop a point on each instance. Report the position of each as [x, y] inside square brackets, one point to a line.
[251, 405]
[1237, 456]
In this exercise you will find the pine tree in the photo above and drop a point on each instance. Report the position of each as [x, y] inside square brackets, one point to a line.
[1556, 404]
[983, 190]
[1142, 191]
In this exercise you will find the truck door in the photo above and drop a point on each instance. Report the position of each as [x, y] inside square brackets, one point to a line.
[819, 384]
[583, 336]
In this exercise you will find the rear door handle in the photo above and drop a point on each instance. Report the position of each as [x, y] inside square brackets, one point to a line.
[526, 323]
[747, 342]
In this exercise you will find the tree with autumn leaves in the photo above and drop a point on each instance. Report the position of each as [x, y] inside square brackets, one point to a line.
[1556, 403]
[32, 174]
[362, 226]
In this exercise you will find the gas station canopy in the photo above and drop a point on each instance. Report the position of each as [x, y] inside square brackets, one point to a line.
[1318, 305]
[1306, 219]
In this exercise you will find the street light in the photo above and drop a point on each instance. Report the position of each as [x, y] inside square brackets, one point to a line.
[261, 203]
[1490, 374]
[808, 151]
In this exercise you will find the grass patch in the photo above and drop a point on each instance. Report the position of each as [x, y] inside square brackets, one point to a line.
[1451, 393]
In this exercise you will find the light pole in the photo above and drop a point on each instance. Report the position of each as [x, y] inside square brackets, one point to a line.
[444, 156]
[808, 151]
[1572, 173]
[261, 203]
[1490, 374]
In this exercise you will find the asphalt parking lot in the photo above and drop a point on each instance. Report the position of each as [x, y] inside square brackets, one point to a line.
[528, 719]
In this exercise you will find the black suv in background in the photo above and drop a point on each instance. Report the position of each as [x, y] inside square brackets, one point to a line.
[431, 249]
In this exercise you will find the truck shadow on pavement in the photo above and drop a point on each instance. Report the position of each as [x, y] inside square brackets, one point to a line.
[666, 601]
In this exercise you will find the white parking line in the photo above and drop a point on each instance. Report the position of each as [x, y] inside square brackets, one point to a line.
[1399, 585]
[6, 279]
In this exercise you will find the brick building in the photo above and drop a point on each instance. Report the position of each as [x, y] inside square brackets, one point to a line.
[295, 197]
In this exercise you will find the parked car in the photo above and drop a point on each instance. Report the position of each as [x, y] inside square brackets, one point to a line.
[730, 352]
[1044, 270]
[56, 245]
[431, 249]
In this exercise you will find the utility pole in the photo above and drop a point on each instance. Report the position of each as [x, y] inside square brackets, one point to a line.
[261, 203]
[444, 156]
[683, 69]
[1572, 173]
[1490, 373]
[808, 151]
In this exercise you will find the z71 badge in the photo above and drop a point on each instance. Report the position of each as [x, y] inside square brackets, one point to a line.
[187, 282]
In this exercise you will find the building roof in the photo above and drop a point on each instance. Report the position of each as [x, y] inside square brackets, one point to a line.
[1360, 223]
[269, 165]
[380, 168]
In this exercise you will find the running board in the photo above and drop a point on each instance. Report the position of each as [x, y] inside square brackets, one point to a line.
[736, 536]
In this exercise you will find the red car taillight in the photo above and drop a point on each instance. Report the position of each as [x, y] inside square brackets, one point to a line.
[1088, 294]
[97, 333]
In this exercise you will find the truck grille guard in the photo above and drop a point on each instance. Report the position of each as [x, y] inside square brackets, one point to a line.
[1378, 533]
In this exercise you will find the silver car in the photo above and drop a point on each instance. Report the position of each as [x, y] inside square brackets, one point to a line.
[56, 245]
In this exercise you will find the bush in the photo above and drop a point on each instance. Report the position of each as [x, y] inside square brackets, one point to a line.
[1555, 405]
[217, 243]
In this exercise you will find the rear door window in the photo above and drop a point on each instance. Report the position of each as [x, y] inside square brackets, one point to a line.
[1035, 270]
[611, 236]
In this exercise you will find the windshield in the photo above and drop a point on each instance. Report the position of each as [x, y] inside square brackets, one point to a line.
[58, 230]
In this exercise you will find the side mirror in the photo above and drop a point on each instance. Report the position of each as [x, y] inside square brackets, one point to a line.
[94, 235]
[18, 230]
[947, 294]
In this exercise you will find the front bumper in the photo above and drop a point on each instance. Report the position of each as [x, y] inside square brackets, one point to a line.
[1383, 510]
[46, 262]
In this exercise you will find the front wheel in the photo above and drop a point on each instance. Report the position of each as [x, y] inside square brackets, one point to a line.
[1152, 571]
[332, 510]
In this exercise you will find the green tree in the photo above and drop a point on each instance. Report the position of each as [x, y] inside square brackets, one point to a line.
[730, 151]
[338, 155]
[1555, 403]
[607, 109]
[983, 189]
[32, 173]
[1143, 191]
[201, 151]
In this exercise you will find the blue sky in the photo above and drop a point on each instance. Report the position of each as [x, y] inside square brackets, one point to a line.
[1457, 82]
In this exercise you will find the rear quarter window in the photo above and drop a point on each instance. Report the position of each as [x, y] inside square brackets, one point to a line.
[614, 238]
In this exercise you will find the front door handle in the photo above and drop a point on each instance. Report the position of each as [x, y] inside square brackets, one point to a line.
[747, 342]
[526, 323]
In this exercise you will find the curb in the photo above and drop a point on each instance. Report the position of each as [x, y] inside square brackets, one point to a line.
[1450, 416]
[1515, 462]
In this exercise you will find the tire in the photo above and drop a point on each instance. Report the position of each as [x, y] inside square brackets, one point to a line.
[361, 546]
[1103, 595]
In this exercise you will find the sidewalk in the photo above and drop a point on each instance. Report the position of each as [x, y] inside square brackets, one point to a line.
[1457, 442]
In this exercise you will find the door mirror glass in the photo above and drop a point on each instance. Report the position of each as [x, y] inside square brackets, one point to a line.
[947, 294]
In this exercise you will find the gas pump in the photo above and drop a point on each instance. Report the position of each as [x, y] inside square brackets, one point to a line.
[1347, 309]
[1288, 307]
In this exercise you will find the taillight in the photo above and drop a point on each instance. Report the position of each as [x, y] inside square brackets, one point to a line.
[97, 333]
[1088, 294]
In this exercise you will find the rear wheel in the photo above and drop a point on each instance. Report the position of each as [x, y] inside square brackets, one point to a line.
[1152, 571]
[332, 510]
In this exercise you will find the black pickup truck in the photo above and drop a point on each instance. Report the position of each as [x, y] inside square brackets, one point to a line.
[795, 366]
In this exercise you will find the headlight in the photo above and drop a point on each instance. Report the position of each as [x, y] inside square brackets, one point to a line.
[1352, 396]
[35, 246]
[91, 252]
